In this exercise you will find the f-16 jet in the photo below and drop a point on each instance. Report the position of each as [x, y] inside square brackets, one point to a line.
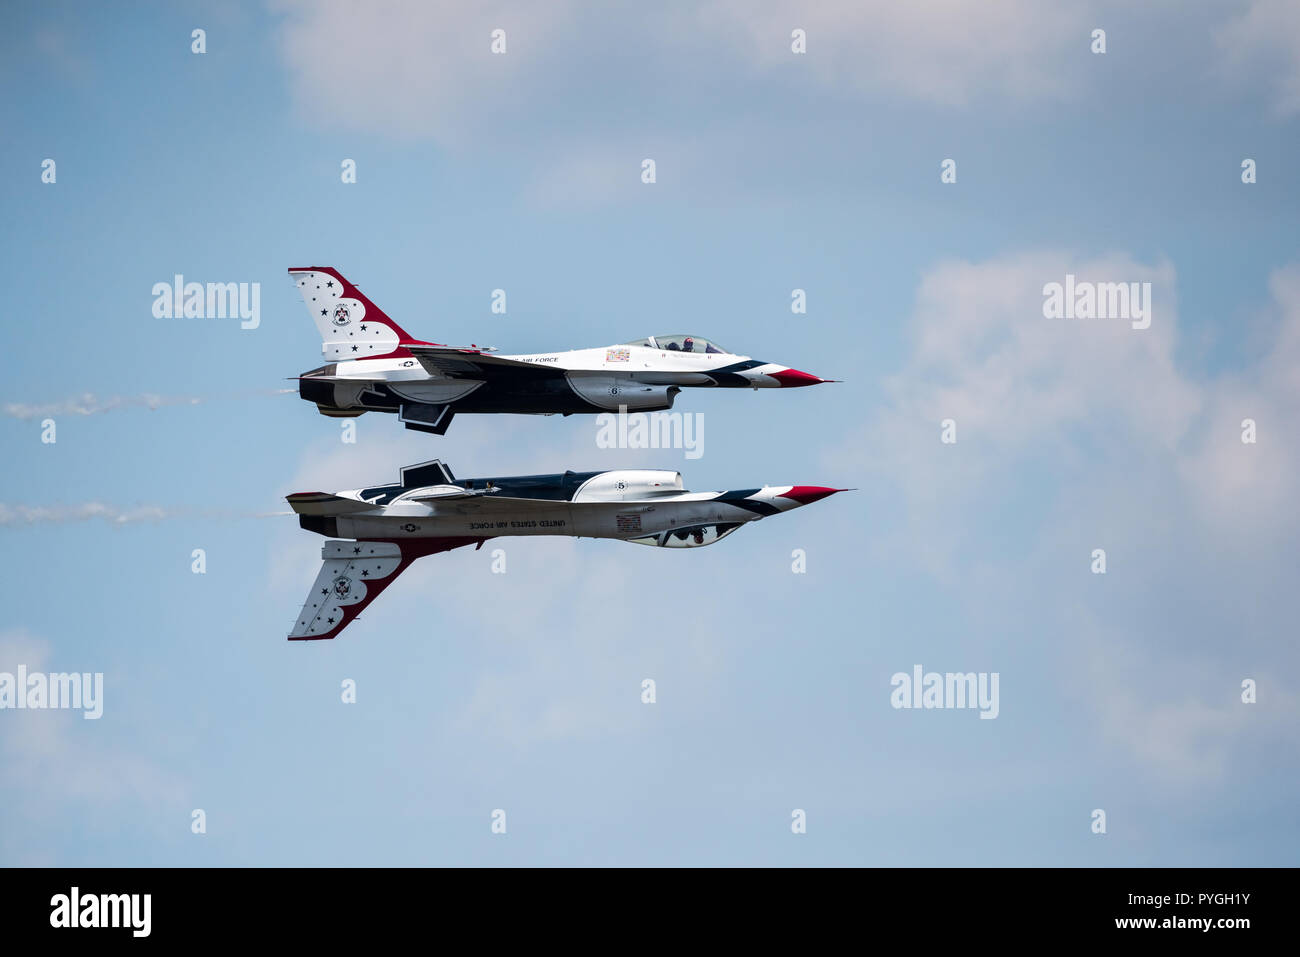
[428, 510]
[375, 366]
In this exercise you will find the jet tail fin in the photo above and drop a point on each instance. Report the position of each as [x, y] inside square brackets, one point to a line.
[350, 325]
[352, 574]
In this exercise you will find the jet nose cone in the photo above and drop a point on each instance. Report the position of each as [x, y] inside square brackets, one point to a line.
[807, 494]
[793, 378]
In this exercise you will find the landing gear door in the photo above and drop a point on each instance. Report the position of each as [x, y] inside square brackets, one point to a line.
[690, 536]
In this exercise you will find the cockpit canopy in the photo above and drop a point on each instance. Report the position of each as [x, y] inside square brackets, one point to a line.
[696, 344]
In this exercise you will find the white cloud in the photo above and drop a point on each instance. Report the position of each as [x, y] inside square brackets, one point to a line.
[1177, 717]
[422, 70]
[948, 52]
[1262, 46]
[1254, 488]
[1074, 433]
[56, 762]
[1020, 385]
[425, 70]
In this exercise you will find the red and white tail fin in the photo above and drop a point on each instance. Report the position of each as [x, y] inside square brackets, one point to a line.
[352, 575]
[350, 325]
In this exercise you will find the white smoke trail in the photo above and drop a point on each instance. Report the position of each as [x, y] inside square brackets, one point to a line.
[19, 515]
[89, 404]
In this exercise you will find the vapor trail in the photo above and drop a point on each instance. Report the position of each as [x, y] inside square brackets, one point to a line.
[19, 515]
[90, 404]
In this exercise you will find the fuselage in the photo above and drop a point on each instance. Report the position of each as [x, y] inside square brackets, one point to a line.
[629, 505]
[633, 377]
[375, 365]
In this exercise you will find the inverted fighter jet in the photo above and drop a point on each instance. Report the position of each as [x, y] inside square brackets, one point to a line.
[428, 511]
[375, 366]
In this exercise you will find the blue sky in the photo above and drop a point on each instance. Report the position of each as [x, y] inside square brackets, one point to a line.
[521, 691]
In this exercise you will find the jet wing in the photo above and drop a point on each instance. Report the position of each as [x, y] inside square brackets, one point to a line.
[469, 364]
[485, 501]
[447, 493]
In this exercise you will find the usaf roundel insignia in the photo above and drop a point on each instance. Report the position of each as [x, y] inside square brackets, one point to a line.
[341, 315]
[342, 586]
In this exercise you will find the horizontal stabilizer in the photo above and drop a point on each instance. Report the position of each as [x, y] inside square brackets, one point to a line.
[473, 364]
[323, 503]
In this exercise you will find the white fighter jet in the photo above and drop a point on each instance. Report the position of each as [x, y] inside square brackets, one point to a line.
[428, 511]
[375, 366]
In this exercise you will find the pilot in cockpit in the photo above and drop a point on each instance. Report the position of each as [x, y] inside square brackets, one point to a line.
[688, 344]
[673, 347]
